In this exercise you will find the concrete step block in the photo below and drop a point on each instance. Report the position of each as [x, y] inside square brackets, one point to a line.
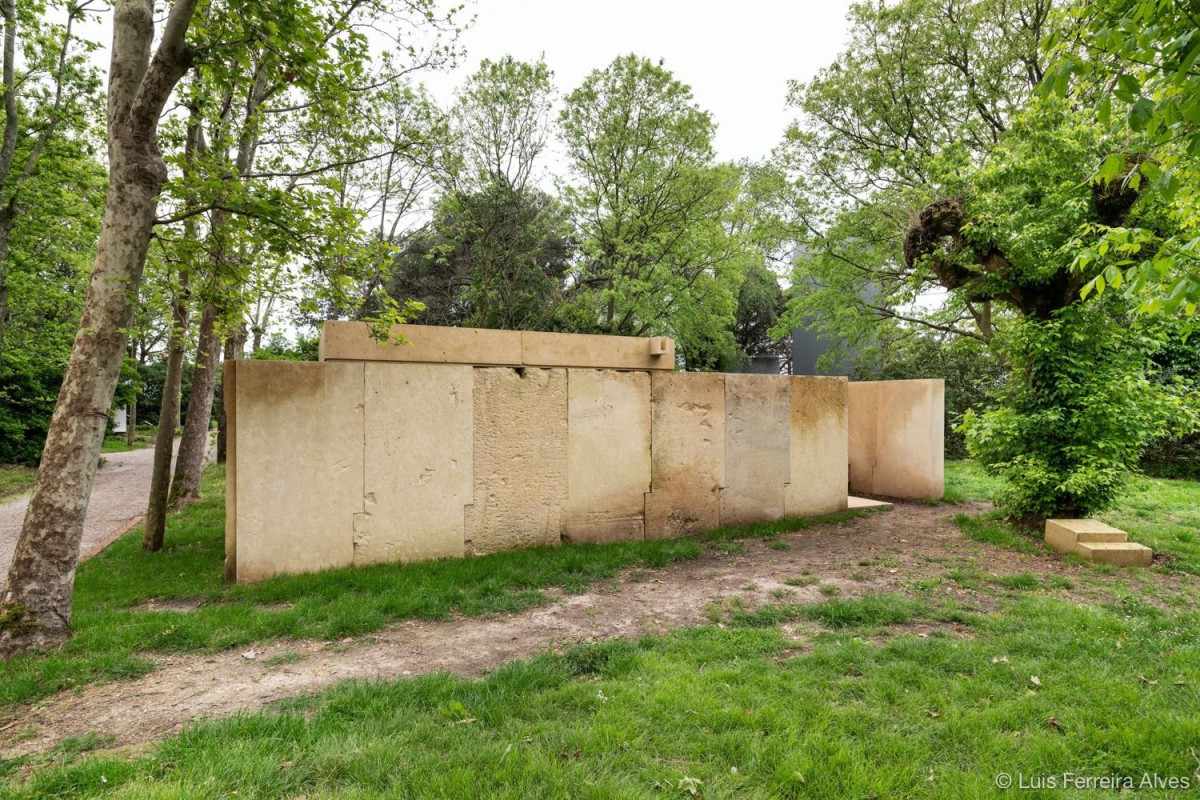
[1123, 554]
[1064, 534]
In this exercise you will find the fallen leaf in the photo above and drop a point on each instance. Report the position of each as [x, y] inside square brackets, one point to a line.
[999, 659]
[1053, 723]
[250, 654]
[1036, 681]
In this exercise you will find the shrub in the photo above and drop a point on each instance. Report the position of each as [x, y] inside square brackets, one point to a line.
[1078, 413]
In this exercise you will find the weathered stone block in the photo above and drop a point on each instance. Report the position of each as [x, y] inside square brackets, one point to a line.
[599, 352]
[1121, 554]
[1063, 534]
[608, 455]
[819, 448]
[687, 453]
[896, 435]
[299, 466]
[419, 454]
[520, 459]
[757, 453]
[432, 344]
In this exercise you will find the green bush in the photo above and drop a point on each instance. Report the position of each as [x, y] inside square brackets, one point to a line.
[1079, 412]
[28, 388]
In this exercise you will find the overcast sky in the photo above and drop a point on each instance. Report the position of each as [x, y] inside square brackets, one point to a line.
[736, 56]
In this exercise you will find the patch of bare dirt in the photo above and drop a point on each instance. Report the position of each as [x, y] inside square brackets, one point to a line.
[887, 551]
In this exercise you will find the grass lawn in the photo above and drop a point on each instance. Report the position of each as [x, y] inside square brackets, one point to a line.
[16, 479]
[1161, 514]
[899, 694]
[741, 709]
[118, 443]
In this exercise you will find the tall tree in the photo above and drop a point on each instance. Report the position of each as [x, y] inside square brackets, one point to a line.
[276, 132]
[917, 78]
[496, 258]
[651, 206]
[35, 610]
[502, 118]
[47, 96]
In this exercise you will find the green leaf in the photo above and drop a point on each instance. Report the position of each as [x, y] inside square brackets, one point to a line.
[1141, 114]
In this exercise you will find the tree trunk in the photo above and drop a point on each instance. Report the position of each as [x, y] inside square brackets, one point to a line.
[131, 422]
[35, 610]
[5, 229]
[168, 419]
[235, 350]
[185, 487]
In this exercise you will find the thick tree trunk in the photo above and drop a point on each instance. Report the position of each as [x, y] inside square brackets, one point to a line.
[235, 350]
[36, 605]
[35, 609]
[168, 419]
[188, 464]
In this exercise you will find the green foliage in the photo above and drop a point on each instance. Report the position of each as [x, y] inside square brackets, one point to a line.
[502, 120]
[919, 79]
[495, 258]
[277, 348]
[1140, 58]
[51, 246]
[1078, 413]
[652, 207]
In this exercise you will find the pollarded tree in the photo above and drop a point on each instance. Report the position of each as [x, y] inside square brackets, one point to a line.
[1141, 59]
[653, 209]
[1078, 410]
[917, 77]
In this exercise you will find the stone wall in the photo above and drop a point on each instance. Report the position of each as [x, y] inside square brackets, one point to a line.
[897, 438]
[355, 462]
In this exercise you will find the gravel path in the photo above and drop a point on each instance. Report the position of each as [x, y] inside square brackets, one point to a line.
[118, 502]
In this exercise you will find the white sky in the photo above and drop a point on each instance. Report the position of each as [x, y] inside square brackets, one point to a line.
[737, 57]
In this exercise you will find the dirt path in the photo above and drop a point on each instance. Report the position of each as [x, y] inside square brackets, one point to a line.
[879, 552]
[118, 502]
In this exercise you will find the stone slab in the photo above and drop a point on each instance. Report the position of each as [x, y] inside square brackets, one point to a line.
[1083, 530]
[757, 453]
[298, 465]
[1122, 554]
[896, 438]
[819, 450]
[432, 344]
[598, 352]
[866, 504]
[608, 455]
[419, 459]
[520, 459]
[687, 453]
